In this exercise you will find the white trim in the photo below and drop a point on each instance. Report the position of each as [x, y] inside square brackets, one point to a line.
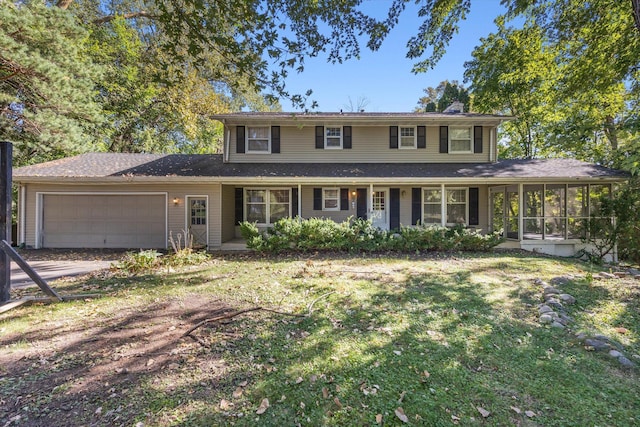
[326, 147]
[246, 141]
[470, 151]
[40, 207]
[415, 138]
[338, 207]
[187, 212]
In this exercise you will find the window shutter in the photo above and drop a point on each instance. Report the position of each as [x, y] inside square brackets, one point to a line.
[477, 139]
[317, 199]
[444, 139]
[344, 199]
[474, 206]
[320, 137]
[346, 138]
[416, 205]
[294, 202]
[422, 137]
[239, 211]
[361, 211]
[394, 209]
[240, 139]
[275, 139]
[393, 136]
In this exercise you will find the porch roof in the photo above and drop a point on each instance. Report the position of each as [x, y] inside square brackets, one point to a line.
[183, 167]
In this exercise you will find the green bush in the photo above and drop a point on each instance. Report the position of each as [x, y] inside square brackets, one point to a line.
[316, 234]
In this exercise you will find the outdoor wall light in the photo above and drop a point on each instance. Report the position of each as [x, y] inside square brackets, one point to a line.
[176, 201]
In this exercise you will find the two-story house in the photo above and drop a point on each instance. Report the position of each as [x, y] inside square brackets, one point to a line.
[397, 169]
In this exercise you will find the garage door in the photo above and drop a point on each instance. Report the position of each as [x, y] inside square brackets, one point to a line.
[104, 221]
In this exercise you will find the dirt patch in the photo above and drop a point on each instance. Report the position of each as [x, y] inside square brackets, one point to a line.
[72, 254]
[92, 366]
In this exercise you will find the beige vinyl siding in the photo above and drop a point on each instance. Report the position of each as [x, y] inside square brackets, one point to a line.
[176, 215]
[370, 145]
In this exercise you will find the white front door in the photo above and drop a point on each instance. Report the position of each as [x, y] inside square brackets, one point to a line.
[380, 208]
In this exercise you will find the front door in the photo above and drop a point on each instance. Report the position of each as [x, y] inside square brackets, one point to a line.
[197, 220]
[380, 208]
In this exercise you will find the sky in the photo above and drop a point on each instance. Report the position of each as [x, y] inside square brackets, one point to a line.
[384, 78]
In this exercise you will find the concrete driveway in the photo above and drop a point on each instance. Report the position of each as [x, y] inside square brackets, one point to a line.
[51, 270]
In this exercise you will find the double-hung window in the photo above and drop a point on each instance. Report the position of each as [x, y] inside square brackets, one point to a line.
[407, 137]
[454, 203]
[258, 139]
[267, 206]
[333, 137]
[330, 199]
[460, 140]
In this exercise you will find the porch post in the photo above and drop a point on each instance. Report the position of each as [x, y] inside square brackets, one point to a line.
[6, 150]
[520, 212]
[370, 207]
[443, 206]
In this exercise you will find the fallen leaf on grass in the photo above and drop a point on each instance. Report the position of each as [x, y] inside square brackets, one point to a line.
[325, 392]
[379, 419]
[225, 405]
[243, 383]
[483, 412]
[237, 392]
[401, 415]
[337, 402]
[299, 380]
[530, 414]
[402, 396]
[263, 406]
[516, 409]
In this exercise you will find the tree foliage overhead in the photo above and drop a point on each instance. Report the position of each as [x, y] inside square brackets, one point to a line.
[47, 82]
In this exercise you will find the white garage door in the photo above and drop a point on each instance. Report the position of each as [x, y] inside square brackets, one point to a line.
[104, 221]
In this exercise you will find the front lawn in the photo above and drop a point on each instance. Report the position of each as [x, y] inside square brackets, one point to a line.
[434, 340]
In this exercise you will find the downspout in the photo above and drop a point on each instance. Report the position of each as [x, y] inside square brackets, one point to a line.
[225, 138]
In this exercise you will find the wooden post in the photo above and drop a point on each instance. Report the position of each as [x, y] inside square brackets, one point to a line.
[6, 150]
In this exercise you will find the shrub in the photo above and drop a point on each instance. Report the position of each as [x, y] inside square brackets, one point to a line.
[138, 262]
[316, 234]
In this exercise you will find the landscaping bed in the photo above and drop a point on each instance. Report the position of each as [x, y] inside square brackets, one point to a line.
[333, 339]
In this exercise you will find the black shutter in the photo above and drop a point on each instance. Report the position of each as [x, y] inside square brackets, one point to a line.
[394, 209]
[416, 205]
[240, 139]
[275, 139]
[361, 211]
[474, 206]
[444, 139]
[320, 137]
[317, 199]
[477, 139]
[422, 137]
[294, 202]
[346, 138]
[239, 205]
[344, 199]
[393, 136]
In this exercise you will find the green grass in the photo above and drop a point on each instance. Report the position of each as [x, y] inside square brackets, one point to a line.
[438, 337]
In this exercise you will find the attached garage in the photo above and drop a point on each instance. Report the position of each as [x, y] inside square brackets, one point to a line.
[133, 220]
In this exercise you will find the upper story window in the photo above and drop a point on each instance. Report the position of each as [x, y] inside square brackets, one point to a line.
[407, 137]
[333, 137]
[258, 139]
[460, 140]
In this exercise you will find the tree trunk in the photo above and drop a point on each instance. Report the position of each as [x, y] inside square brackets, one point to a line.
[611, 132]
[635, 4]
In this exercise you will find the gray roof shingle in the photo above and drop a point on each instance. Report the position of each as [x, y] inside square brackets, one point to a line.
[110, 165]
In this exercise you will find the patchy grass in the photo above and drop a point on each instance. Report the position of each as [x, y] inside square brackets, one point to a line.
[438, 337]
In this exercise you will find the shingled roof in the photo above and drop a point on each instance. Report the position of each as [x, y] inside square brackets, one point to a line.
[94, 166]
